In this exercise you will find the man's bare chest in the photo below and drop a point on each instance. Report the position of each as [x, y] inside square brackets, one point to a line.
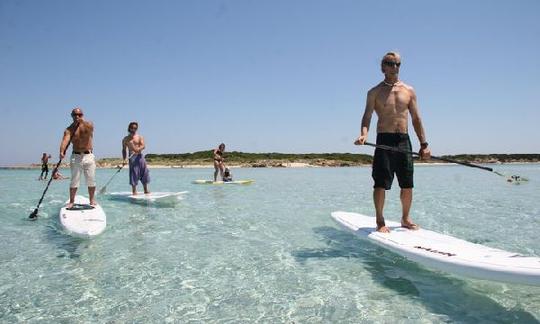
[393, 98]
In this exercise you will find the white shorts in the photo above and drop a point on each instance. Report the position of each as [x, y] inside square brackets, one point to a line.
[80, 163]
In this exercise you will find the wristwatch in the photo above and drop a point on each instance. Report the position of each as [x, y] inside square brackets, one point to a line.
[424, 145]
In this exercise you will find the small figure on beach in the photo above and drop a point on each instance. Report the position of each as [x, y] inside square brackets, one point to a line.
[44, 166]
[227, 175]
[138, 170]
[393, 101]
[219, 162]
[80, 133]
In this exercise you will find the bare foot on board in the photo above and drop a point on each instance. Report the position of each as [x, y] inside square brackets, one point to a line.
[381, 227]
[410, 225]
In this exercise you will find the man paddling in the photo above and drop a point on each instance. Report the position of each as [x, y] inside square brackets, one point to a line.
[80, 133]
[393, 101]
[138, 171]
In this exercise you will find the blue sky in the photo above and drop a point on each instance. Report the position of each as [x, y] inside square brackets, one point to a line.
[265, 76]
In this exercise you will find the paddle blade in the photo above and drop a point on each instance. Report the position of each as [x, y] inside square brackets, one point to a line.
[34, 214]
[102, 190]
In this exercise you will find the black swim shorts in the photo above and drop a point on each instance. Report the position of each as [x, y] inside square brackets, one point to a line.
[386, 163]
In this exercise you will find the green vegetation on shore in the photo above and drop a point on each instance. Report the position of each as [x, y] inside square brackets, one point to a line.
[314, 159]
[254, 159]
[261, 160]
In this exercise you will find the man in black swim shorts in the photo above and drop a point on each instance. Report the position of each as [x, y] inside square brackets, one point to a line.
[44, 166]
[393, 101]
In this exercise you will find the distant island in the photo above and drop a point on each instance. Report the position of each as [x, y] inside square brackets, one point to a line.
[204, 159]
[281, 160]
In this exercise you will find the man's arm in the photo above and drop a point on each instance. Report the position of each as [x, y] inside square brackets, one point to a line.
[65, 142]
[141, 144]
[124, 151]
[425, 152]
[366, 118]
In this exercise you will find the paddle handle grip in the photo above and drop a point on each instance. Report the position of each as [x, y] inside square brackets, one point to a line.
[395, 149]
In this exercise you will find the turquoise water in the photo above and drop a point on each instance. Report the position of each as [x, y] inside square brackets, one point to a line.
[267, 252]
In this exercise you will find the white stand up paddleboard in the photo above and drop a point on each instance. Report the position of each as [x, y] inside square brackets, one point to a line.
[83, 220]
[151, 197]
[223, 182]
[446, 253]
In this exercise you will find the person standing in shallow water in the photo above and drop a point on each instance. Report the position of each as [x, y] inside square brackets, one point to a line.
[138, 170]
[393, 101]
[219, 162]
[44, 166]
[80, 133]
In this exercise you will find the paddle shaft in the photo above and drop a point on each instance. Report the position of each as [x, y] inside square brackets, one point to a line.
[395, 149]
[34, 214]
[112, 177]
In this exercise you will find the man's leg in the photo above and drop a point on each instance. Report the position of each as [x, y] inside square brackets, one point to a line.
[89, 166]
[75, 179]
[91, 194]
[221, 169]
[72, 193]
[406, 202]
[378, 200]
[145, 186]
[133, 190]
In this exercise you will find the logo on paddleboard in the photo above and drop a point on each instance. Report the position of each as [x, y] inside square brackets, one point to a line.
[434, 251]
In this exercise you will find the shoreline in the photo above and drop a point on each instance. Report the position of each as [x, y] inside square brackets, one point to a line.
[290, 165]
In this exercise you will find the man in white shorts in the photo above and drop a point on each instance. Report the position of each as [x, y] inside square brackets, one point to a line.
[80, 133]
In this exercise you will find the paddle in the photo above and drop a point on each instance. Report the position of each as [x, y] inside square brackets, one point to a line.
[102, 190]
[34, 214]
[395, 149]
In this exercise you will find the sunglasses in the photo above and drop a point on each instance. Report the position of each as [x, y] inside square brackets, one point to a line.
[77, 114]
[392, 64]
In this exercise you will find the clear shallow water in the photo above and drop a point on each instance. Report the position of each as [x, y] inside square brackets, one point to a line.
[267, 252]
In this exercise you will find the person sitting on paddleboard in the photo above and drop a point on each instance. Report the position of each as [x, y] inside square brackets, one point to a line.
[138, 170]
[227, 175]
[219, 165]
[80, 133]
[393, 101]
[56, 175]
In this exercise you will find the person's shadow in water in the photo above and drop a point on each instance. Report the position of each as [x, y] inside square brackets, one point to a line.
[439, 293]
[69, 246]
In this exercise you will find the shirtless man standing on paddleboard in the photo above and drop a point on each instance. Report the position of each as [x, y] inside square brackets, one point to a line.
[80, 133]
[138, 171]
[393, 101]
